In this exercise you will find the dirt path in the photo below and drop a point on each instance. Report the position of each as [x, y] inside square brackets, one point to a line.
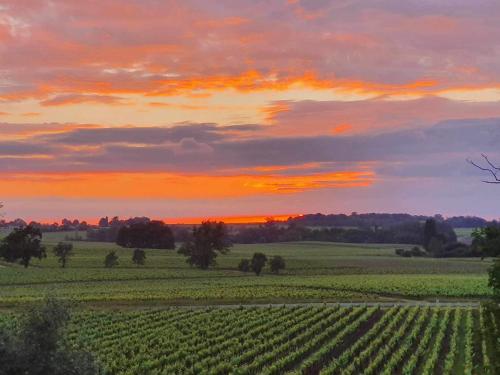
[343, 304]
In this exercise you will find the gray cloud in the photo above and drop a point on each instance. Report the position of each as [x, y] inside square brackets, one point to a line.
[208, 148]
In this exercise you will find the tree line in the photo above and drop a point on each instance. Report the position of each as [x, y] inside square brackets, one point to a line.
[107, 228]
[370, 220]
[406, 233]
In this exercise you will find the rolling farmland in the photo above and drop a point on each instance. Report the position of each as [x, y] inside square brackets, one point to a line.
[128, 316]
[315, 271]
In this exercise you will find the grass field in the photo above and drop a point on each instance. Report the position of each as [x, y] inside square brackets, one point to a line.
[292, 340]
[315, 272]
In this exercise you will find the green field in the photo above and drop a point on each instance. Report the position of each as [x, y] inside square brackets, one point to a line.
[315, 272]
[294, 340]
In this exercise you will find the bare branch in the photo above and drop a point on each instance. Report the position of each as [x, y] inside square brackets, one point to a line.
[490, 163]
[492, 169]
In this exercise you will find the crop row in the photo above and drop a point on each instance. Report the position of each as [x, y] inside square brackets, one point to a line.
[295, 340]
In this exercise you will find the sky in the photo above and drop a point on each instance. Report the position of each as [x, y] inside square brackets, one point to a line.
[228, 108]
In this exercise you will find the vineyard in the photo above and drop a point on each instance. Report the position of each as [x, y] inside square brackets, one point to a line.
[296, 340]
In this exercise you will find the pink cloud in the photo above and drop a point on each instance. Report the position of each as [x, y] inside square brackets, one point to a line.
[368, 116]
[115, 46]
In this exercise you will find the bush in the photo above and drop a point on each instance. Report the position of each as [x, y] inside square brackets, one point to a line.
[399, 252]
[277, 263]
[417, 252]
[139, 257]
[403, 253]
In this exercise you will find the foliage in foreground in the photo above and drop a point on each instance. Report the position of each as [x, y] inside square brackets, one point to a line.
[494, 280]
[38, 346]
[488, 241]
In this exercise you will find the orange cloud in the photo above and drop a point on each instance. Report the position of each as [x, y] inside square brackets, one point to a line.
[179, 106]
[170, 185]
[342, 128]
[272, 111]
[25, 131]
[70, 99]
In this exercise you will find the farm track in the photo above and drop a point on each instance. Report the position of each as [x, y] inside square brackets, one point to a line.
[473, 304]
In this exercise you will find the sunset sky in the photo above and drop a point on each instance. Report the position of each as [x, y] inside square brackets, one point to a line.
[182, 109]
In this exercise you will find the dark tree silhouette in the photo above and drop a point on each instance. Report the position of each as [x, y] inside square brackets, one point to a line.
[111, 260]
[207, 240]
[258, 262]
[139, 257]
[244, 265]
[487, 240]
[150, 235]
[22, 244]
[63, 250]
[489, 167]
[430, 231]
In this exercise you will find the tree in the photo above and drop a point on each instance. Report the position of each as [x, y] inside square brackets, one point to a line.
[148, 235]
[436, 247]
[244, 265]
[207, 240]
[139, 257]
[487, 240]
[103, 222]
[63, 250]
[258, 262]
[492, 169]
[111, 260]
[277, 263]
[430, 231]
[22, 244]
[494, 279]
[38, 345]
